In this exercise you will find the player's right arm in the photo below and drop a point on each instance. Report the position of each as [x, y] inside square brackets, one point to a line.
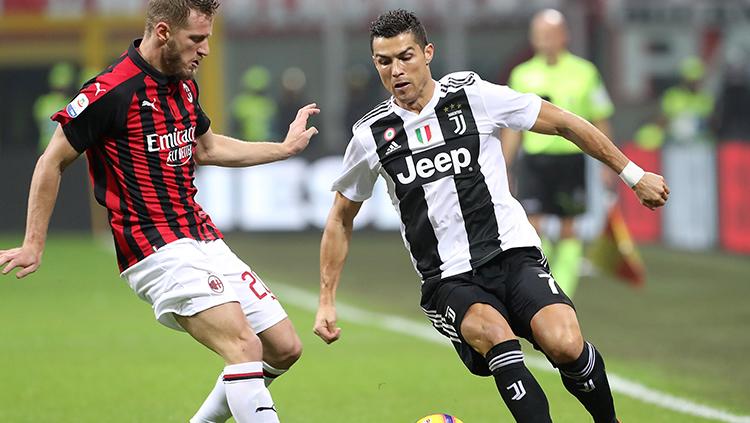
[45, 184]
[334, 247]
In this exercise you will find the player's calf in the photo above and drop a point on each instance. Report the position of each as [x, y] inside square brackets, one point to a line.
[586, 378]
[517, 386]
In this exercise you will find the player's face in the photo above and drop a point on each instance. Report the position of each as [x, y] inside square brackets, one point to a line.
[186, 47]
[403, 66]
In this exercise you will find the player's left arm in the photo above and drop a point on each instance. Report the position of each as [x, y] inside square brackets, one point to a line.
[221, 150]
[651, 189]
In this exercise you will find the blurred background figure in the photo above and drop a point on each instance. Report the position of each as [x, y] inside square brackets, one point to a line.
[360, 94]
[253, 109]
[291, 98]
[550, 174]
[730, 118]
[61, 78]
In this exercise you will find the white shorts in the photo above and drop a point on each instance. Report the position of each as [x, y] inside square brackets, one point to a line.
[187, 276]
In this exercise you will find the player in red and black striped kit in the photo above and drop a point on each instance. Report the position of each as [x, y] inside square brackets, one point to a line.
[142, 128]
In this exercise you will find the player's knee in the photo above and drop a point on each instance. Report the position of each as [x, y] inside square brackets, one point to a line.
[565, 346]
[244, 346]
[483, 327]
[289, 353]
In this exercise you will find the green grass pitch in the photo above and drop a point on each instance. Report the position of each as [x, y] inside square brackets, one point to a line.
[78, 346]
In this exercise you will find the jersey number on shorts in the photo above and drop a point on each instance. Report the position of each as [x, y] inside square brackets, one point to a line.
[255, 280]
[551, 282]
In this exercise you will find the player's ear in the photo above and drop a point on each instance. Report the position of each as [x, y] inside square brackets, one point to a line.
[162, 31]
[429, 51]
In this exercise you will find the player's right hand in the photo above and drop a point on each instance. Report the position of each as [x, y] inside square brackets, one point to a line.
[299, 134]
[25, 259]
[652, 190]
[325, 324]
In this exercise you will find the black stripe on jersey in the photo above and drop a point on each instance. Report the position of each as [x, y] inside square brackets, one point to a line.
[418, 231]
[457, 83]
[154, 159]
[380, 108]
[102, 182]
[133, 189]
[459, 128]
[180, 170]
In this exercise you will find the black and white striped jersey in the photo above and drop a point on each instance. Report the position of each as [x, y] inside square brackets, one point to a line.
[445, 172]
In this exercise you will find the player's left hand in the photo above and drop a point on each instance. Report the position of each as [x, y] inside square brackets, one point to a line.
[22, 258]
[325, 324]
[652, 190]
[299, 134]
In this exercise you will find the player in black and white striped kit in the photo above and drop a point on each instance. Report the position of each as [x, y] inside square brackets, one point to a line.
[485, 279]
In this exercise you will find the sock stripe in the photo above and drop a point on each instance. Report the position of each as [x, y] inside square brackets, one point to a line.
[242, 376]
[583, 374]
[505, 359]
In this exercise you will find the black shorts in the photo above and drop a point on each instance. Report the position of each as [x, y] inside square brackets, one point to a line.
[513, 283]
[552, 184]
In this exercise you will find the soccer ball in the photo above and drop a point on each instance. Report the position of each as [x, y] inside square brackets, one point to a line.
[439, 418]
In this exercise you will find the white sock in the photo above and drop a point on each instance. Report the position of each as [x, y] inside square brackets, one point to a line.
[247, 395]
[270, 373]
[215, 408]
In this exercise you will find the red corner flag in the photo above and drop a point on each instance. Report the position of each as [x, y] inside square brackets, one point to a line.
[614, 252]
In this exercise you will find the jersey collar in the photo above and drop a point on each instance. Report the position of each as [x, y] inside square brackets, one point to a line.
[146, 67]
[425, 110]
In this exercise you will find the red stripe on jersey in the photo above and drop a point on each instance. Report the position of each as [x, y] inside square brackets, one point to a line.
[184, 187]
[163, 175]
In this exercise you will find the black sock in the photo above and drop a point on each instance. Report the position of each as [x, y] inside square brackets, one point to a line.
[586, 379]
[518, 388]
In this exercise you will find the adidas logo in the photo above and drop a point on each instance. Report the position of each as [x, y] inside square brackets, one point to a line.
[392, 147]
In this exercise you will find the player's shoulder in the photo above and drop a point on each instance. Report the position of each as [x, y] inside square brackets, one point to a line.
[384, 108]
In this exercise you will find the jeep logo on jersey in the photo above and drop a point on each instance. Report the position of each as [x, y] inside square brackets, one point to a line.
[178, 143]
[442, 164]
[215, 284]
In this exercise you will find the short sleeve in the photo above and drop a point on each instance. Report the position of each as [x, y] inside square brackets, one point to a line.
[600, 104]
[357, 178]
[89, 118]
[508, 108]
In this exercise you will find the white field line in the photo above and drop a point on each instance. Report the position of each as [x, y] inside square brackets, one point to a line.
[423, 330]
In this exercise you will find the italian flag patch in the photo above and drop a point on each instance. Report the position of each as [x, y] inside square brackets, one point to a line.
[424, 134]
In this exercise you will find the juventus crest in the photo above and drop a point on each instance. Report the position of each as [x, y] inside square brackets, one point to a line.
[457, 117]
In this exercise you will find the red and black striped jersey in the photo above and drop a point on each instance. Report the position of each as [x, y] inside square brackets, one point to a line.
[138, 128]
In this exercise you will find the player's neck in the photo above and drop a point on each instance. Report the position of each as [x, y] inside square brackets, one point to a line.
[150, 50]
[417, 105]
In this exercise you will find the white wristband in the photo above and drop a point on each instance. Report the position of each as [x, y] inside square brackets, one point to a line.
[631, 174]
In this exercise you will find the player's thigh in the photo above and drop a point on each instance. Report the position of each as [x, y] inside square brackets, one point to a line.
[556, 330]
[484, 327]
[259, 304]
[281, 344]
[179, 279]
[531, 287]
[447, 302]
[222, 328]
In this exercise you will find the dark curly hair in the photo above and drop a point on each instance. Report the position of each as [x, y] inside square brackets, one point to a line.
[396, 22]
[176, 12]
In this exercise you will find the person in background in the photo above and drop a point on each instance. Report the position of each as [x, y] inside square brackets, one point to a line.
[253, 109]
[550, 175]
